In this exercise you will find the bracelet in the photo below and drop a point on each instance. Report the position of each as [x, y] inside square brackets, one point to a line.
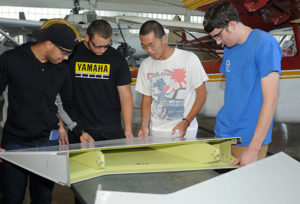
[186, 121]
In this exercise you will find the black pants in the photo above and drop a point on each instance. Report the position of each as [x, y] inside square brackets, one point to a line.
[14, 181]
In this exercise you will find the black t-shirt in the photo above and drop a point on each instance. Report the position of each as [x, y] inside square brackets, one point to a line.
[95, 80]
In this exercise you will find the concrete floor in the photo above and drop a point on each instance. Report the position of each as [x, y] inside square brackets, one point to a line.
[286, 138]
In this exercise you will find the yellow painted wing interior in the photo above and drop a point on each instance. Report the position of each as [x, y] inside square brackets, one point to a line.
[178, 156]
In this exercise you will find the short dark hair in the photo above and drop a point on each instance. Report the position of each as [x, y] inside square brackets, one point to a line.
[152, 26]
[219, 15]
[99, 27]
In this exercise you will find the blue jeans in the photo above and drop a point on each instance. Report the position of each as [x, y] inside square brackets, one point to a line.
[15, 179]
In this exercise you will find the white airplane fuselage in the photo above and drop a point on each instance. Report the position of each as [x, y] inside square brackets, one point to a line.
[288, 104]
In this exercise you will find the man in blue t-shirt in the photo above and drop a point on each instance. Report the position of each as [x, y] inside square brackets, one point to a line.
[251, 64]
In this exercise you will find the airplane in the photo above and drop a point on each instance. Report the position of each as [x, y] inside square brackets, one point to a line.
[122, 36]
[281, 18]
[283, 24]
[86, 17]
[126, 42]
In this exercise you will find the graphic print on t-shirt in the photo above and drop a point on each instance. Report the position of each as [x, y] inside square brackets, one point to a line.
[92, 70]
[168, 93]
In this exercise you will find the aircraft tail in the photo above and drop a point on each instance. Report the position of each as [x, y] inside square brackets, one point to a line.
[176, 35]
[22, 15]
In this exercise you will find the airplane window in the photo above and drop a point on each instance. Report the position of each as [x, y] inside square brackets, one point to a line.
[288, 47]
[286, 39]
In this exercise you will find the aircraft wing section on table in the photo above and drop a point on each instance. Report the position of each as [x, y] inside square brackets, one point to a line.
[275, 180]
[69, 164]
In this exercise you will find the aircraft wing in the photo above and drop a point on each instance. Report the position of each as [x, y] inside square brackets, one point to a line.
[67, 164]
[16, 26]
[166, 23]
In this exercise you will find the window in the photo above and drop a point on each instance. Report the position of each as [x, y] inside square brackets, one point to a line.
[286, 40]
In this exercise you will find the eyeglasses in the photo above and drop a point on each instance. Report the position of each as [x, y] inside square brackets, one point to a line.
[64, 51]
[218, 35]
[100, 46]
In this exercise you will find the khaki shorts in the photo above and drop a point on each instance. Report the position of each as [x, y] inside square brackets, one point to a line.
[237, 151]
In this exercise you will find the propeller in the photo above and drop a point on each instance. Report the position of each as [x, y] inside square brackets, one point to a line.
[77, 7]
[126, 50]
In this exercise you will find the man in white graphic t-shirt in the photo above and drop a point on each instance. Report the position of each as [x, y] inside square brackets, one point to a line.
[172, 82]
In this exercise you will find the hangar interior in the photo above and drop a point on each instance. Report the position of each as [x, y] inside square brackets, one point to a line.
[285, 134]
